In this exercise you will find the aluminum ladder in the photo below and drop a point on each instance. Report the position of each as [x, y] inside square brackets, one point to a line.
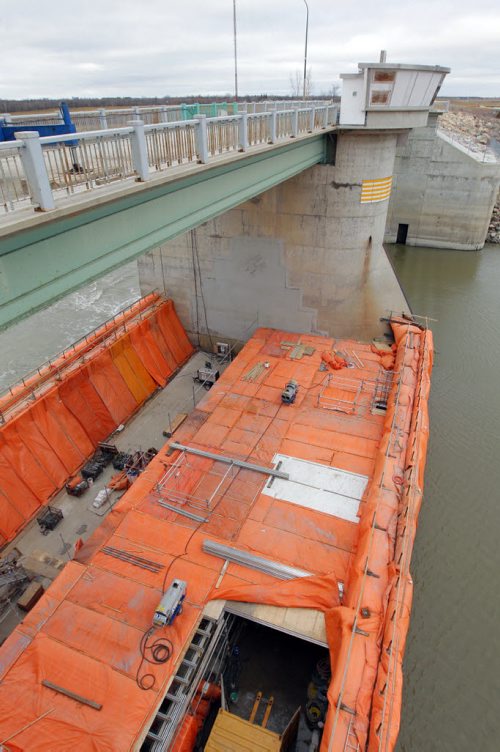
[184, 684]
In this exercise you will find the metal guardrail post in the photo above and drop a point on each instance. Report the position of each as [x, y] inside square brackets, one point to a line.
[139, 150]
[103, 121]
[312, 116]
[35, 170]
[202, 139]
[274, 130]
[243, 132]
[295, 123]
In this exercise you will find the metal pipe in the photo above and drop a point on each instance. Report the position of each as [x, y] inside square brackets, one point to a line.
[305, 50]
[230, 460]
[239, 556]
[235, 53]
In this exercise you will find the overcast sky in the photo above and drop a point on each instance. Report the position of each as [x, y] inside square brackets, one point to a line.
[60, 48]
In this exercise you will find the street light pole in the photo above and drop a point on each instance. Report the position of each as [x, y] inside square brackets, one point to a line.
[305, 51]
[235, 53]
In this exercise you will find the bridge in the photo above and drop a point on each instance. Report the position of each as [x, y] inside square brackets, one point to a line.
[160, 179]
[77, 208]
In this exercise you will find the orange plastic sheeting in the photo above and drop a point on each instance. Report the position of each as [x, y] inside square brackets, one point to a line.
[134, 374]
[26, 464]
[174, 333]
[17, 502]
[82, 400]
[159, 339]
[63, 723]
[72, 354]
[319, 592]
[333, 360]
[366, 675]
[40, 448]
[150, 354]
[111, 387]
[10, 519]
[62, 432]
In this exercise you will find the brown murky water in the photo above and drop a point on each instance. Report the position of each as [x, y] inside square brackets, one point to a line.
[452, 664]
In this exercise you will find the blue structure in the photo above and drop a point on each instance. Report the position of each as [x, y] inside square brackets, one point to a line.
[8, 129]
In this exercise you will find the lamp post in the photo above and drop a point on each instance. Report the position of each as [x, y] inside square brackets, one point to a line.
[235, 53]
[305, 50]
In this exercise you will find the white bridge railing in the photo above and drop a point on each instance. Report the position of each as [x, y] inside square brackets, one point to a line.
[36, 171]
[115, 117]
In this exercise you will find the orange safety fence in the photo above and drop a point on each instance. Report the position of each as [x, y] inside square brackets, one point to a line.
[80, 401]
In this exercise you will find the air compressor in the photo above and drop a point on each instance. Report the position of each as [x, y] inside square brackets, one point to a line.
[170, 605]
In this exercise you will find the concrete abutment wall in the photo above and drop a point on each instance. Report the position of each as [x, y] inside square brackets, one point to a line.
[442, 193]
[306, 255]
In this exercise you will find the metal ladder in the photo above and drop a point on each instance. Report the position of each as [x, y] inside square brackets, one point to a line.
[183, 685]
[16, 575]
[351, 742]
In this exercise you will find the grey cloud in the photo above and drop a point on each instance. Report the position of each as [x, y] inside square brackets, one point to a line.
[157, 47]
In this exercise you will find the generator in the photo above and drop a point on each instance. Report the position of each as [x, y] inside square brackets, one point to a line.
[170, 605]
[289, 393]
[207, 375]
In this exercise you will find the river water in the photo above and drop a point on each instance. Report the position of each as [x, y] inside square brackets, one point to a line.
[452, 671]
[452, 664]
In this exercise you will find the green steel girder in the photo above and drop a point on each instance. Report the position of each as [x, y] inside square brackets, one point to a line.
[55, 256]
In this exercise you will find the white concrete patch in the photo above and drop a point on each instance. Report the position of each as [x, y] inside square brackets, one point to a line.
[315, 486]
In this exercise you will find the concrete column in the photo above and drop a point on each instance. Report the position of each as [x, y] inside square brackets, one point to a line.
[295, 123]
[325, 117]
[35, 170]
[163, 115]
[243, 132]
[103, 122]
[202, 139]
[139, 150]
[306, 256]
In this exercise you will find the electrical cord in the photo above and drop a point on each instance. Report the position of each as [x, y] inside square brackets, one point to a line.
[157, 653]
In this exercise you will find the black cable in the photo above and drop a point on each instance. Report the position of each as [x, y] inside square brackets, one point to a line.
[197, 255]
[157, 653]
[192, 236]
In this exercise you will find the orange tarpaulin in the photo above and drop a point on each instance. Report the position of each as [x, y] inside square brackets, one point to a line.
[84, 634]
[86, 393]
[150, 354]
[82, 400]
[133, 372]
[173, 333]
[321, 592]
[111, 387]
[26, 465]
[62, 432]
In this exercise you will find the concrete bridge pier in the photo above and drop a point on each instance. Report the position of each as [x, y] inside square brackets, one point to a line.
[306, 255]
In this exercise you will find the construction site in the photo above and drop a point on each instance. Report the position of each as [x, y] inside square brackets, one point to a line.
[218, 541]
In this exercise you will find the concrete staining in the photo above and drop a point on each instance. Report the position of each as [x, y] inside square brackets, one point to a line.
[442, 192]
[305, 255]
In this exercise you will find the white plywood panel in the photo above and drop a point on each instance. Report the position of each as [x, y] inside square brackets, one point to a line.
[306, 623]
[315, 486]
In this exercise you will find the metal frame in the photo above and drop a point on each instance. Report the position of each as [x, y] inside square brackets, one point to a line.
[336, 403]
[179, 487]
